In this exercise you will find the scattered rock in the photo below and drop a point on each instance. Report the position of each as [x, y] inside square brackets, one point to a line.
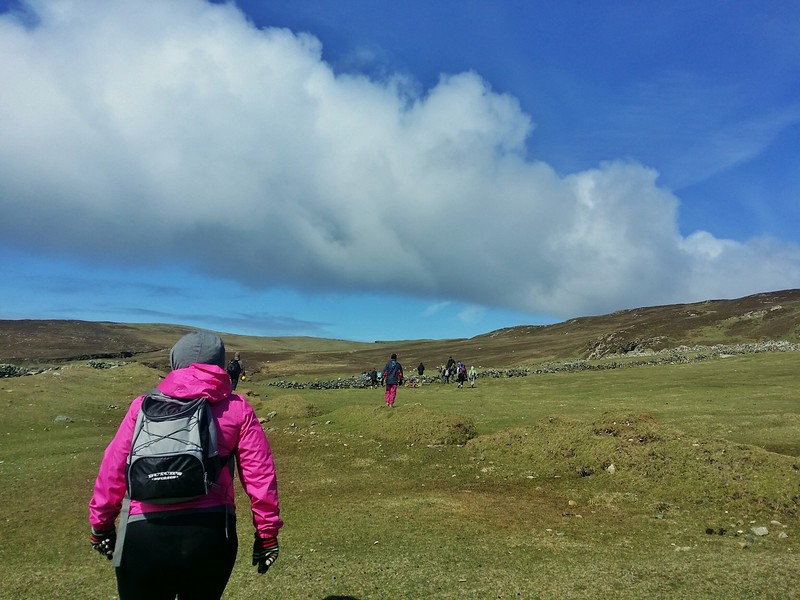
[99, 364]
[760, 531]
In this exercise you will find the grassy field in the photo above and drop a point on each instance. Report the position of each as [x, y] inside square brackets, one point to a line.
[502, 491]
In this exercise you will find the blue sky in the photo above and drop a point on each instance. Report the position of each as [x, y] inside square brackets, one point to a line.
[380, 170]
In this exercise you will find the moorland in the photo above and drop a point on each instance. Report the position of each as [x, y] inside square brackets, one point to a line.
[678, 479]
[761, 317]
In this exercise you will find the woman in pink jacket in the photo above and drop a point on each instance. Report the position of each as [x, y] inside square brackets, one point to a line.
[189, 549]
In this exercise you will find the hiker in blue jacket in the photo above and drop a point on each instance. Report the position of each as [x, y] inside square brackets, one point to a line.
[392, 377]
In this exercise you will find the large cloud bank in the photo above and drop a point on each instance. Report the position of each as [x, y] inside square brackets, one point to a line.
[154, 132]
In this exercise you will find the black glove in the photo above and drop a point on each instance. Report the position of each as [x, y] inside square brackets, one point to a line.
[104, 542]
[265, 552]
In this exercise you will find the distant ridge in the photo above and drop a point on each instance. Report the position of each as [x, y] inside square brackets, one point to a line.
[757, 318]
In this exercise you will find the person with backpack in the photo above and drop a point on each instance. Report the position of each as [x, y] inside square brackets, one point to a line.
[392, 377]
[173, 544]
[461, 376]
[451, 368]
[235, 369]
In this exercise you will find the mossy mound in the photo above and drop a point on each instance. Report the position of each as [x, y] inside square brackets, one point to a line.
[646, 460]
[408, 424]
[291, 406]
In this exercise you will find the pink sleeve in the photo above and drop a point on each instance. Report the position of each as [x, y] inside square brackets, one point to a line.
[109, 488]
[257, 474]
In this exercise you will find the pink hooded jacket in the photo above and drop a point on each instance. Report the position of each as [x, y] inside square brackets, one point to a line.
[238, 430]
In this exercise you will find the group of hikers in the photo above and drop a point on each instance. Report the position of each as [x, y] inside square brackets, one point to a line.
[456, 371]
[450, 372]
[374, 377]
[392, 375]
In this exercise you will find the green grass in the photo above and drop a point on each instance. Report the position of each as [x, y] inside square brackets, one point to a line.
[501, 491]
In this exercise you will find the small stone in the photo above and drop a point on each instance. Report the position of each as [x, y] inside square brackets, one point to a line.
[759, 531]
[611, 469]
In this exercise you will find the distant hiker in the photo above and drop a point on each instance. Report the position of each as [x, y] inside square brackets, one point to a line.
[420, 371]
[461, 376]
[392, 377]
[472, 375]
[450, 370]
[188, 548]
[373, 375]
[451, 363]
[235, 369]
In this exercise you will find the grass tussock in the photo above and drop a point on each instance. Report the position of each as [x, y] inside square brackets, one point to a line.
[292, 406]
[407, 424]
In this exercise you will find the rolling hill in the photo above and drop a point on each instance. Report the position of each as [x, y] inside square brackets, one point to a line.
[757, 318]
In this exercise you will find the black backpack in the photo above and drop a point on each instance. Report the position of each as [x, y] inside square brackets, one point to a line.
[234, 368]
[174, 455]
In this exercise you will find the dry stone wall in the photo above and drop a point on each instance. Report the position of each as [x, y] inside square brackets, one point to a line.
[679, 355]
[634, 358]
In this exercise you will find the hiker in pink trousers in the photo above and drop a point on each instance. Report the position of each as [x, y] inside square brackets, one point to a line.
[392, 377]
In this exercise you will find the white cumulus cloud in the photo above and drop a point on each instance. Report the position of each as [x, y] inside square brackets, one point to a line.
[147, 132]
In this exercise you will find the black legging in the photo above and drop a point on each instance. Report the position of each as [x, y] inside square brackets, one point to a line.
[189, 556]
